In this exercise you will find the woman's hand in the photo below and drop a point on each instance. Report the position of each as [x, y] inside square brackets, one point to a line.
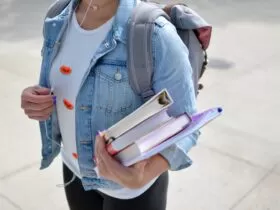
[132, 177]
[37, 102]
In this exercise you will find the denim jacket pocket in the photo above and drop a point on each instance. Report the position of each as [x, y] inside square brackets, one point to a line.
[114, 97]
[112, 85]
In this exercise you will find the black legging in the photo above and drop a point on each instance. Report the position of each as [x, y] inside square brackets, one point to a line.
[79, 199]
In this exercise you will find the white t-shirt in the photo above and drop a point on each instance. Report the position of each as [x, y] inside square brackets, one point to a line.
[76, 52]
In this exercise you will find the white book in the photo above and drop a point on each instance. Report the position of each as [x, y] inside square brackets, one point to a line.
[137, 132]
[156, 104]
[154, 138]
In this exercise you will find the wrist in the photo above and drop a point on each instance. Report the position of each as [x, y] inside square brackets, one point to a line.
[156, 166]
[161, 163]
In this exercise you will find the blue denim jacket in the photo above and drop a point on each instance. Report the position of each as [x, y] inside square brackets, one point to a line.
[102, 100]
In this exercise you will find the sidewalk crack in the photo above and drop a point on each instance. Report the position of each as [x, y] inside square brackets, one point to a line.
[253, 188]
[17, 171]
[16, 206]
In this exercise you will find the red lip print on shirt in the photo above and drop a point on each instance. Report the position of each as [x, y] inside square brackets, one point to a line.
[75, 155]
[65, 70]
[68, 104]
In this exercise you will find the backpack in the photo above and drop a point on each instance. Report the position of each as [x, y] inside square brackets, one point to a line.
[194, 31]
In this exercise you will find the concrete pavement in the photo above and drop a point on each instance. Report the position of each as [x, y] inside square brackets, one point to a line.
[237, 161]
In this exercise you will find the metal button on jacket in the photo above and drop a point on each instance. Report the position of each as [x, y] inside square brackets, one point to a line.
[118, 76]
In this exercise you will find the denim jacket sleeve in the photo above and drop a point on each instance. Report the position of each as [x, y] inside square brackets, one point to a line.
[173, 71]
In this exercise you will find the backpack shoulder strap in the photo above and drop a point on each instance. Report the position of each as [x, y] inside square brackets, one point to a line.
[56, 8]
[140, 58]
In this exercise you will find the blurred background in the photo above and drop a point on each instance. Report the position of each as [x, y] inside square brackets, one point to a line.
[237, 160]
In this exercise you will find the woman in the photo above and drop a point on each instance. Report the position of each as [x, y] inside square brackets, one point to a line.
[84, 88]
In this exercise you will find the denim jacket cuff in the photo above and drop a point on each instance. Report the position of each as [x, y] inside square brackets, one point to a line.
[176, 158]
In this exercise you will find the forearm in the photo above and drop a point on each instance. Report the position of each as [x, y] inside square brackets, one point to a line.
[155, 167]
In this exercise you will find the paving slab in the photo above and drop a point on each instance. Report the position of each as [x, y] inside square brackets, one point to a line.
[20, 139]
[21, 59]
[247, 129]
[277, 169]
[264, 197]
[34, 189]
[240, 145]
[235, 47]
[7, 204]
[251, 103]
[214, 182]
[235, 51]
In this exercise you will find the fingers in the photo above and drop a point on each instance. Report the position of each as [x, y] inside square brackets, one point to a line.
[37, 102]
[103, 171]
[42, 91]
[98, 145]
[107, 165]
[40, 114]
[37, 99]
[36, 95]
[36, 107]
[111, 169]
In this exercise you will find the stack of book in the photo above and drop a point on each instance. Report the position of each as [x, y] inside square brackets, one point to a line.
[149, 129]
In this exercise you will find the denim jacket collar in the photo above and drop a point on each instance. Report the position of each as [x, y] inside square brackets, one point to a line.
[122, 17]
